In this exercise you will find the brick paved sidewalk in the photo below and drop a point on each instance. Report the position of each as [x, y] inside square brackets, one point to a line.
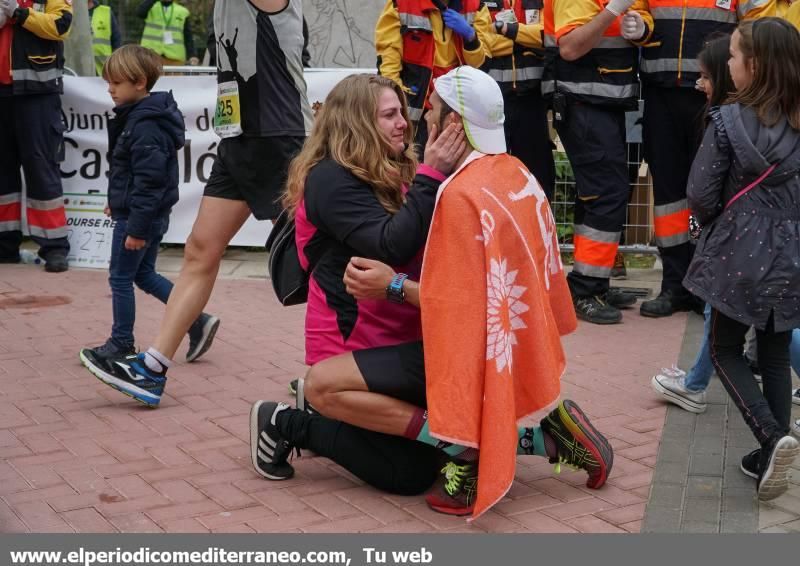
[76, 455]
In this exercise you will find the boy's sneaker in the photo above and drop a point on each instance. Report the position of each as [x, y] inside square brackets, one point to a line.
[201, 335]
[103, 353]
[796, 428]
[749, 465]
[775, 466]
[129, 375]
[796, 396]
[673, 390]
[596, 310]
[455, 489]
[579, 444]
[619, 298]
[269, 451]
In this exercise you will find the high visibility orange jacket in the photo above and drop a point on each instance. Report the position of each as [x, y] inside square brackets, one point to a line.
[607, 75]
[414, 46]
[517, 62]
[669, 59]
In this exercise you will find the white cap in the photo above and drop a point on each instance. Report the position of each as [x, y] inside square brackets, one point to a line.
[476, 97]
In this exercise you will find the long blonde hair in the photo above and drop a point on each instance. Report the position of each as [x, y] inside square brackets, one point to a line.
[346, 131]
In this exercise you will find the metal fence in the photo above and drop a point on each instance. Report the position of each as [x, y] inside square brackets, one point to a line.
[637, 236]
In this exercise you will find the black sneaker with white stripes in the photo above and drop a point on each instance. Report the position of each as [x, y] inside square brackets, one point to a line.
[269, 451]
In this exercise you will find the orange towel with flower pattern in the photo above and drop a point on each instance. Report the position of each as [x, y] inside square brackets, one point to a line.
[495, 303]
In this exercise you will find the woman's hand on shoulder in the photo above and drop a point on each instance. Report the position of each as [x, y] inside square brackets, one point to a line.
[367, 278]
[442, 152]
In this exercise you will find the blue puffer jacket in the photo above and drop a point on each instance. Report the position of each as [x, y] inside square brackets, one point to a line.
[143, 141]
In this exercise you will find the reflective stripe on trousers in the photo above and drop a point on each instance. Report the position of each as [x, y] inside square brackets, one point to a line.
[595, 251]
[667, 65]
[519, 74]
[593, 89]
[671, 223]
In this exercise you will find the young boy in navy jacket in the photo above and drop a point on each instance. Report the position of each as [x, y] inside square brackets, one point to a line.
[144, 139]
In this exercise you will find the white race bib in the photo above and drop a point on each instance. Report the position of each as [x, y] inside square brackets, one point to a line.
[168, 40]
[227, 116]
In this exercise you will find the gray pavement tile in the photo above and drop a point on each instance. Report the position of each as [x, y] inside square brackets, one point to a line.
[769, 516]
[674, 451]
[774, 530]
[667, 496]
[661, 520]
[670, 473]
[746, 522]
[701, 510]
[793, 526]
[704, 487]
[702, 527]
[708, 445]
[677, 416]
[706, 465]
[739, 500]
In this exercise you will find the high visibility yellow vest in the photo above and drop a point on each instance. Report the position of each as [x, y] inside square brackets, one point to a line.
[101, 37]
[161, 23]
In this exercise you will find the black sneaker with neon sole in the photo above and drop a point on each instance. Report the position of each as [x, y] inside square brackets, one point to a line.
[455, 489]
[269, 451]
[578, 443]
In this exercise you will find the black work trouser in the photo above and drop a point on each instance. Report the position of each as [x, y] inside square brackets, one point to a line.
[31, 139]
[767, 413]
[390, 463]
[673, 125]
[595, 142]
[528, 137]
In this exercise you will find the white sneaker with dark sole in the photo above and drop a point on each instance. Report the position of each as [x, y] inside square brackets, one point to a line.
[775, 479]
[796, 396]
[673, 390]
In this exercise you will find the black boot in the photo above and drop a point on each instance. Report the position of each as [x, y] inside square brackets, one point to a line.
[668, 303]
[56, 261]
[596, 310]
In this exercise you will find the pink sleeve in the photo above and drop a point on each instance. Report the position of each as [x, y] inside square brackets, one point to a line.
[429, 171]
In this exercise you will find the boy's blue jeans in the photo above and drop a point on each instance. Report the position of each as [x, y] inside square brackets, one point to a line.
[794, 351]
[699, 376]
[134, 266]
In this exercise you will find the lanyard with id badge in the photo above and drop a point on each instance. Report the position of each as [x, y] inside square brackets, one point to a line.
[168, 39]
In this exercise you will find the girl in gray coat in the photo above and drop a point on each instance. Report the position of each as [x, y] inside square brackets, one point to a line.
[744, 188]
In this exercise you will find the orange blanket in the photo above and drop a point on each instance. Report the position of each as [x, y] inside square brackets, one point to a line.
[495, 304]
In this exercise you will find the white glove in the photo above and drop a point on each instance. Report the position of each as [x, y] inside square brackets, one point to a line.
[633, 28]
[7, 7]
[616, 7]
